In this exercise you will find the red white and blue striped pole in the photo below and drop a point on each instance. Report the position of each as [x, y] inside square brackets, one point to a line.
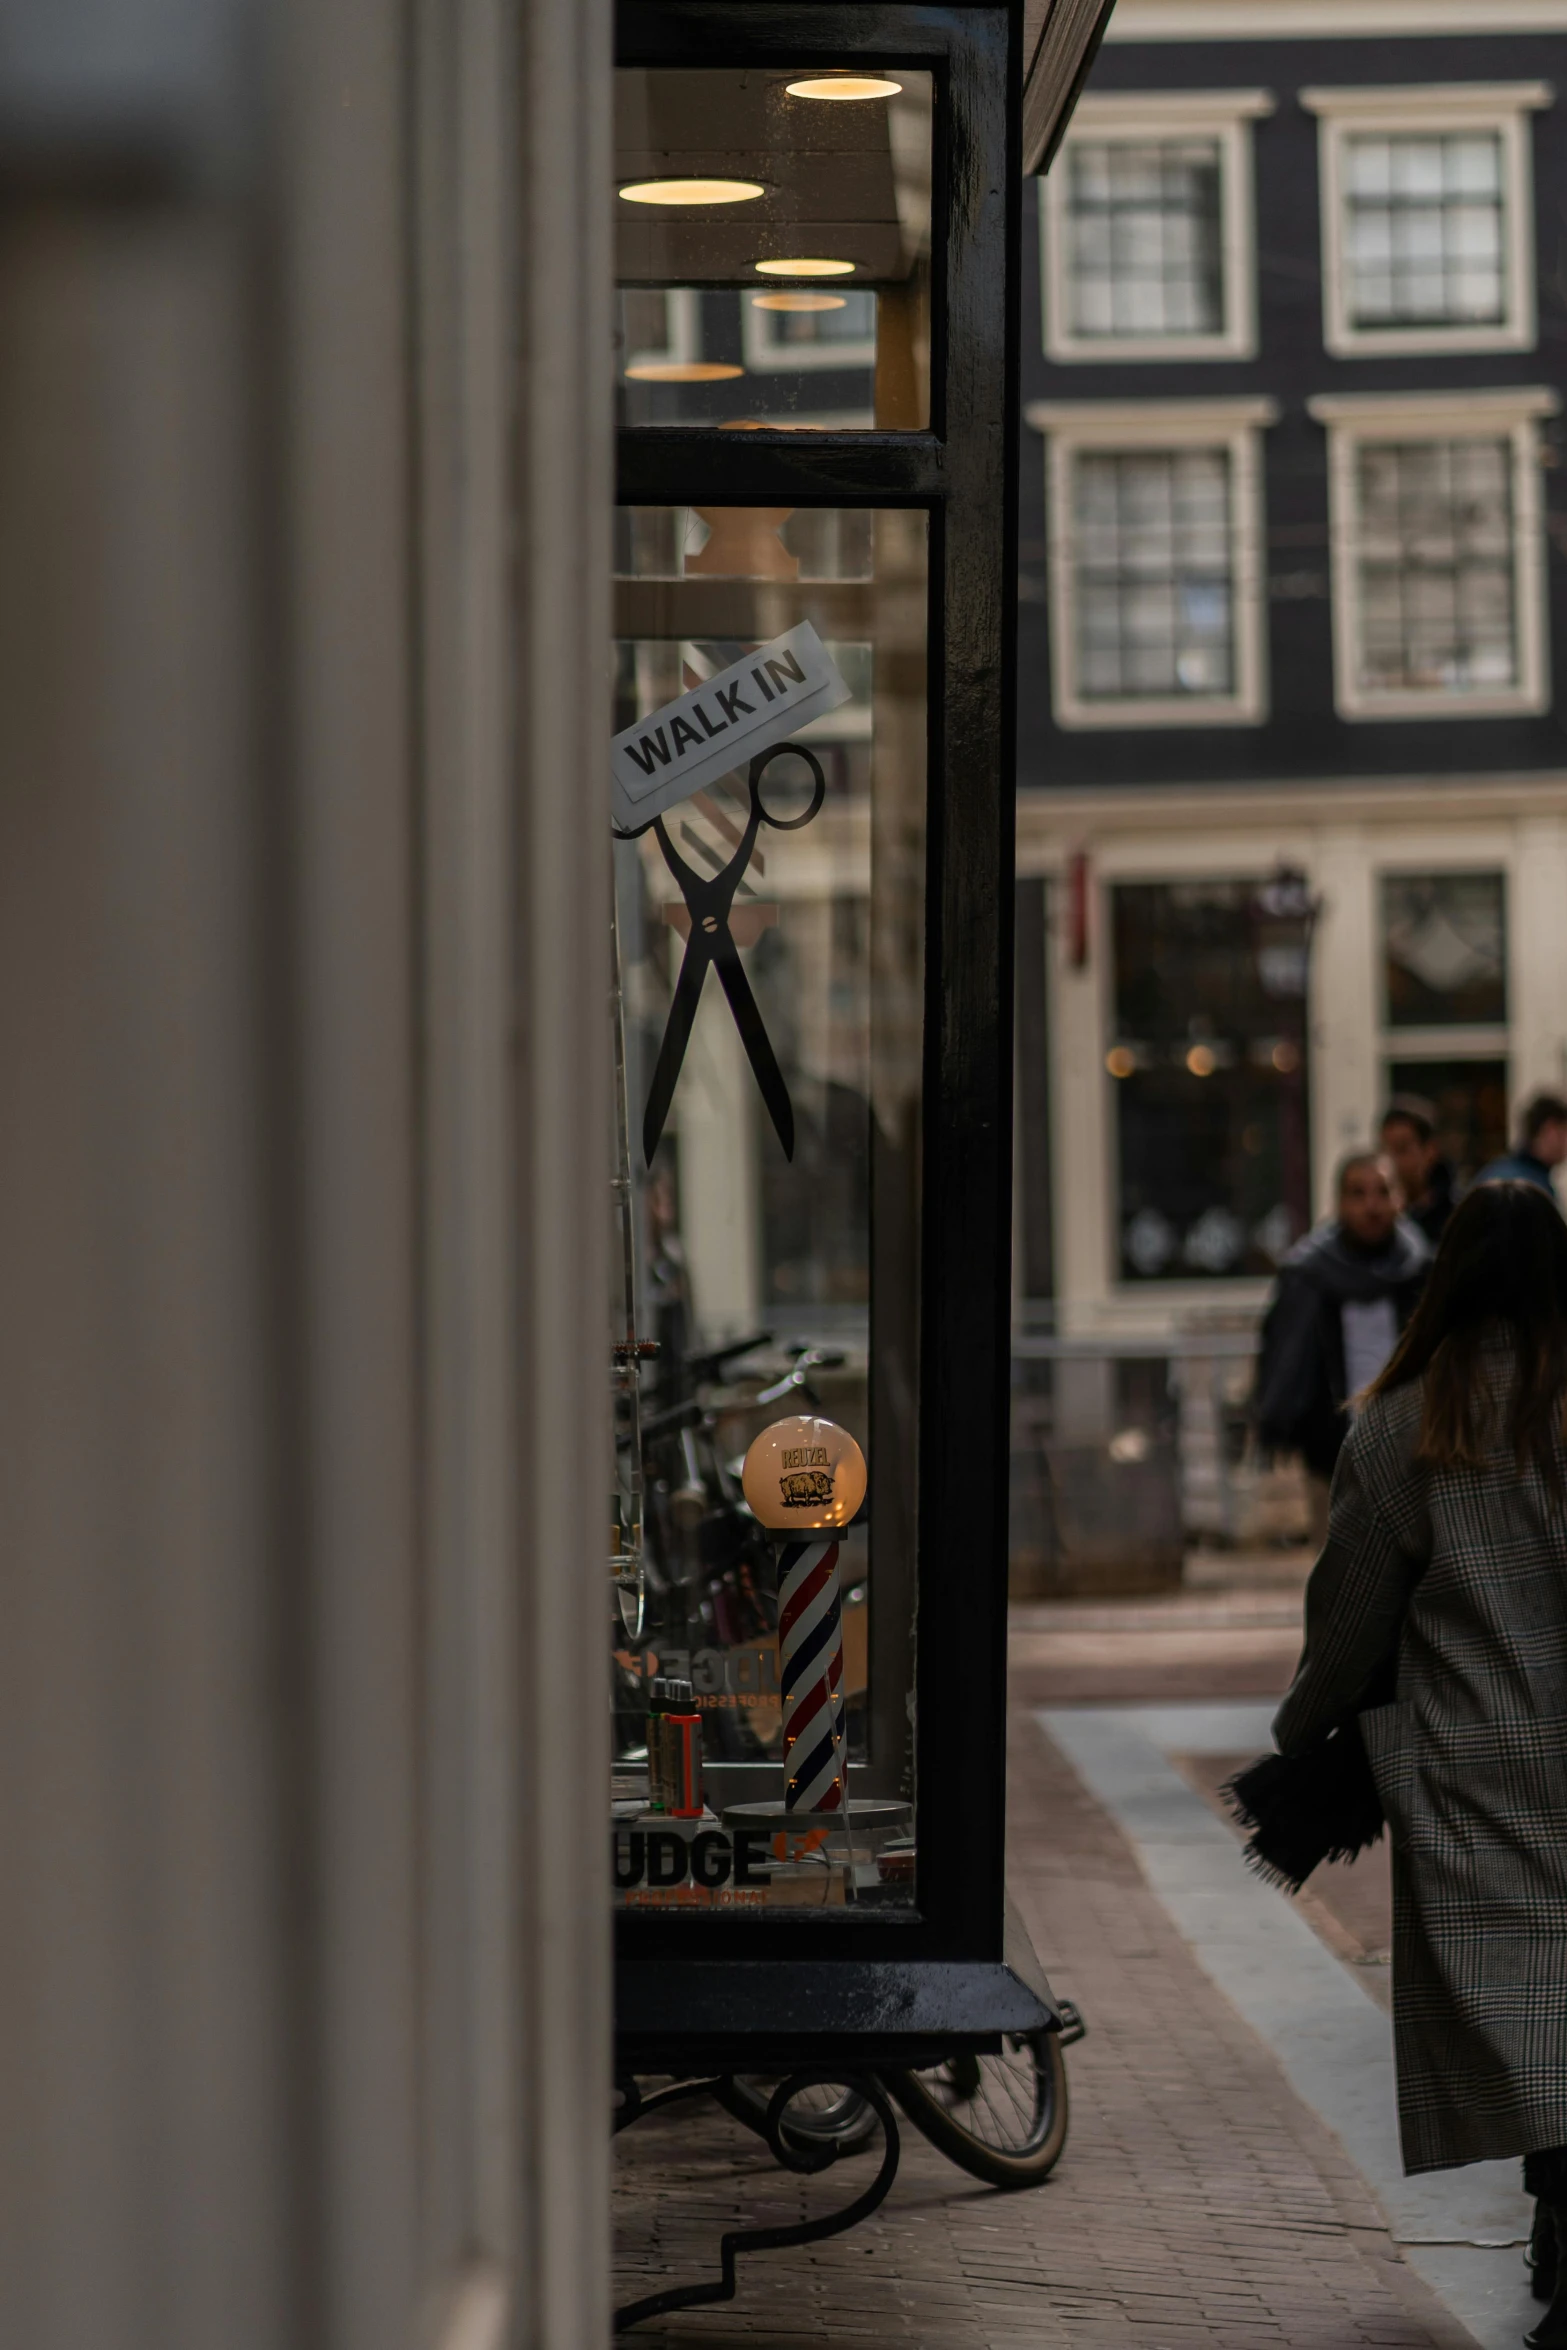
[810, 1671]
[804, 1480]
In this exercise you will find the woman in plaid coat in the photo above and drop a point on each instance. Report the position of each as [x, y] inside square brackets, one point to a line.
[1446, 1560]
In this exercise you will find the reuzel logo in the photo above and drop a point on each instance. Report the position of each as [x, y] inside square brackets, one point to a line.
[807, 1489]
[806, 1456]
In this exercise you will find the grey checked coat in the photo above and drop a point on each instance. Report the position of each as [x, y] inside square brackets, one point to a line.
[1465, 1572]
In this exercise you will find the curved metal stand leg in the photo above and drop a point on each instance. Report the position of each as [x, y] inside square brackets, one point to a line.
[795, 2158]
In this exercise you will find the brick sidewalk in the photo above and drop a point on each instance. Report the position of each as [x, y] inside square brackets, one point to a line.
[1198, 2203]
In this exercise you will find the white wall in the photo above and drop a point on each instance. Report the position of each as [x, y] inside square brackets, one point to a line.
[304, 490]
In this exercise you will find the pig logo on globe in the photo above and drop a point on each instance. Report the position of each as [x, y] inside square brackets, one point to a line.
[807, 1489]
[808, 1484]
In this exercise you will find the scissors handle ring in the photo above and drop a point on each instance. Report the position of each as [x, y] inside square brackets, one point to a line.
[759, 766]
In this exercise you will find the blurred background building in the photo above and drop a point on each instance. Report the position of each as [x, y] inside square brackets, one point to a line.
[1292, 801]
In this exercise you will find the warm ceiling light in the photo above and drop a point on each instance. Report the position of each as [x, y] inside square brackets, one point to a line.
[690, 192]
[682, 371]
[1121, 1061]
[1202, 1060]
[844, 87]
[799, 301]
[805, 268]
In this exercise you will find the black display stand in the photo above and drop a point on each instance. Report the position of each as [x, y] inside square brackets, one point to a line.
[842, 1995]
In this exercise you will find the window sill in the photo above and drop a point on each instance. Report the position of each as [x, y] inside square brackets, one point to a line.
[1402, 708]
[1145, 350]
[1428, 342]
[1087, 717]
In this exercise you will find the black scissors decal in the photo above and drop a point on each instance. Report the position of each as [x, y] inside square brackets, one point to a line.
[709, 900]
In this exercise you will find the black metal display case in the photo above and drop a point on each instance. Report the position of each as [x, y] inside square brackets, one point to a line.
[861, 1988]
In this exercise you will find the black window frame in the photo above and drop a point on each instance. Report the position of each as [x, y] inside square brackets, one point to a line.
[939, 1969]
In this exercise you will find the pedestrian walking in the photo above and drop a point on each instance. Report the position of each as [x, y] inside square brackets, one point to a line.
[1442, 1588]
[1542, 1145]
[1408, 1137]
[1343, 1295]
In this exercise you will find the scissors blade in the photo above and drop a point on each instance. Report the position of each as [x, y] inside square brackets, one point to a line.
[758, 1050]
[677, 1035]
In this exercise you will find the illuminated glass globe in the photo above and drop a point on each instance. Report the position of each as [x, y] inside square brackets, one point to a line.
[804, 1474]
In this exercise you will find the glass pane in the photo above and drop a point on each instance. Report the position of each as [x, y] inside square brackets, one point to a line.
[782, 222]
[1469, 1102]
[1208, 1059]
[1151, 552]
[1445, 949]
[1436, 566]
[1423, 230]
[780, 1192]
[1144, 243]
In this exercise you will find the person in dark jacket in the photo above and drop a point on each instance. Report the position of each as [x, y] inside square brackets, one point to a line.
[1446, 1561]
[1542, 1145]
[1424, 1176]
[1343, 1295]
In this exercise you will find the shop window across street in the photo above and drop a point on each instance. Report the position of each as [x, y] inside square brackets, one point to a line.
[1208, 1072]
[1446, 1040]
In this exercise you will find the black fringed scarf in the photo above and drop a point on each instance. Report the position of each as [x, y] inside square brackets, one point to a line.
[1306, 1808]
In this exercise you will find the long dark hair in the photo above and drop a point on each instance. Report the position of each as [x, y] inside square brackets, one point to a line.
[1501, 1271]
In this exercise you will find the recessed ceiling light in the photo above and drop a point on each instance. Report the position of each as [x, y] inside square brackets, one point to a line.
[844, 87]
[676, 191]
[799, 268]
[682, 371]
[799, 301]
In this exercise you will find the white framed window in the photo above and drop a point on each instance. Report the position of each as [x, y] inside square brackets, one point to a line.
[1438, 557]
[824, 327]
[1146, 228]
[1156, 569]
[1427, 217]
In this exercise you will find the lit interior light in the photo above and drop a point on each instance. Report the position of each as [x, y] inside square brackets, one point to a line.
[1285, 1056]
[844, 88]
[805, 268]
[682, 371]
[676, 191]
[1201, 1061]
[1121, 1061]
[799, 301]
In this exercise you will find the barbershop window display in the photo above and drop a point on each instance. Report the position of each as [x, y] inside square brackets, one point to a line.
[742, 827]
[811, 812]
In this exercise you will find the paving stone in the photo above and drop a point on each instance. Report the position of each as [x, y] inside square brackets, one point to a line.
[1199, 2205]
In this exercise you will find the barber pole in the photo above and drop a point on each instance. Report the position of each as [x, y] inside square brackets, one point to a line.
[804, 1480]
[810, 1671]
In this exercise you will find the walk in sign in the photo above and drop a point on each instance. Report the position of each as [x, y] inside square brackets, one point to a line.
[720, 724]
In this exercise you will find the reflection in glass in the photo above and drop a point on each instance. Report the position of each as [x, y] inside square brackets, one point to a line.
[807, 306]
[734, 1237]
[1470, 1101]
[1445, 947]
[1209, 1063]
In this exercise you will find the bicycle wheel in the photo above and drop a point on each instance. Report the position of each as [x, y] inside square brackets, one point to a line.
[820, 2116]
[1003, 2117]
